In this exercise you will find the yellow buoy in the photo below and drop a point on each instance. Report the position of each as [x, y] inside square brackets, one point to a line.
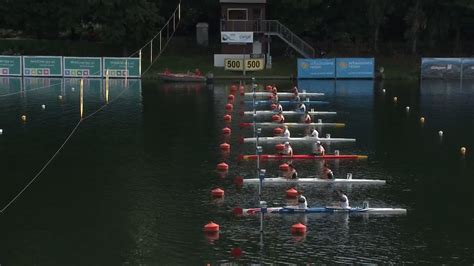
[23, 117]
[422, 119]
[463, 150]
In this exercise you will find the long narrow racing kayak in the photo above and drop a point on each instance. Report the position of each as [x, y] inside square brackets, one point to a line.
[284, 94]
[315, 181]
[268, 102]
[287, 210]
[267, 112]
[290, 125]
[296, 140]
[301, 157]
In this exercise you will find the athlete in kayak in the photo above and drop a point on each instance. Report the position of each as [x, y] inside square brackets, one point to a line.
[296, 98]
[314, 133]
[343, 200]
[287, 150]
[286, 132]
[301, 108]
[294, 90]
[292, 173]
[319, 149]
[281, 118]
[307, 118]
[302, 202]
[279, 108]
[327, 173]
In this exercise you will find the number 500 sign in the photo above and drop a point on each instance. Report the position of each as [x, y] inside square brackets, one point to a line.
[239, 64]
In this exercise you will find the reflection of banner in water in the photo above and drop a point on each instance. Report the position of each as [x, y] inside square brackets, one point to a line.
[446, 68]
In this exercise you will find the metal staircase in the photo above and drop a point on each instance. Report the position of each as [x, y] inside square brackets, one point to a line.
[273, 28]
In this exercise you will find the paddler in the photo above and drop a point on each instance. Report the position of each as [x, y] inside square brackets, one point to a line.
[319, 149]
[307, 118]
[327, 173]
[302, 202]
[281, 119]
[296, 98]
[343, 200]
[287, 150]
[292, 173]
[279, 108]
[301, 108]
[314, 133]
[294, 90]
[286, 132]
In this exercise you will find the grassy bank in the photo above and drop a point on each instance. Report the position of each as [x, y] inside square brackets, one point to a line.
[182, 55]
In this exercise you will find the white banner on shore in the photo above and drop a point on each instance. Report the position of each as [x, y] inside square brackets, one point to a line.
[237, 36]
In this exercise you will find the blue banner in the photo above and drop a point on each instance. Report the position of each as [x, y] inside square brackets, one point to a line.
[316, 69]
[355, 68]
[468, 68]
[445, 68]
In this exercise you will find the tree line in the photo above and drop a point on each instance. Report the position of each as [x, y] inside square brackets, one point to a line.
[376, 25]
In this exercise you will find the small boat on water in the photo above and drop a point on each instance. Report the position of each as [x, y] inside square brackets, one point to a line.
[285, 210]
[301, 157]
[181, 77]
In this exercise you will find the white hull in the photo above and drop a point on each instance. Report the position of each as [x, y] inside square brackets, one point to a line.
[262, 113]
[297, 140]
[284, 94]
[316, 181]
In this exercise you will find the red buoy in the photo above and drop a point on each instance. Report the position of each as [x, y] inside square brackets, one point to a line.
[292, 193]
[222, 167]
[284, 167]
[269, 88]
[211, 227]
[280, 147]
[237, 211]
[217, 193]
[226, 131]
[225, 146]
[227, 118]
[273, 106]
[229, 107]
[277, 131]
[236, 252]
[233, 88]
[298, 229]
[231, 97]
[275, 118]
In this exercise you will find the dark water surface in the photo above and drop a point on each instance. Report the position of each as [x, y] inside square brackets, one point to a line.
[132, 184]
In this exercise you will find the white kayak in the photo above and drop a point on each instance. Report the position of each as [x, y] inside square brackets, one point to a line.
[284, 94]
[288, 210]
[306, 139]
[316, 181]
[266, 112]
[291, 125]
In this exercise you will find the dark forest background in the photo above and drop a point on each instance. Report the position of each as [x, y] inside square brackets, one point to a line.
[375, 26]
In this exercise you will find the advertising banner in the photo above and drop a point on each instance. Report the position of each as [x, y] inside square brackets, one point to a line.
[468, 68]
[253, 64]
[237, 37]
[316, 68]
[10, 66]
[120, 67]
[445, 68]
[82, 66]
[355, 68]
[42, 66]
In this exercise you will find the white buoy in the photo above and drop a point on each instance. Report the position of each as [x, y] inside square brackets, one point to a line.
[328, 136]
[60, 97]
[320, 121]
[72, 89]
[422, 119]
[43, 106]
[407, 108]
[440, 133]
[1, 131]
[23, 117]
[463, 150]
[383, 90]
[395, 99]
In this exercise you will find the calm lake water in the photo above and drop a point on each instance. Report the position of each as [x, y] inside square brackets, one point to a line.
[132, 185]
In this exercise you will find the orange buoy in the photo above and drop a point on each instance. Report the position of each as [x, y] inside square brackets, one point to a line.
[229, 107]
[292, 193]
[275, 118]
[226, 131]
[284, 167]
[273, 106]
[217, 193]
[280, 147]
[269, 88]
[298, 229]
[239, 181]
[225, 146]
[277, 131]
[222, 167]
[227, 118]
[230, 97]
[211, 227]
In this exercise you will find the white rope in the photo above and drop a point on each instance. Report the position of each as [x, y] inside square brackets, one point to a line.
[57, 152]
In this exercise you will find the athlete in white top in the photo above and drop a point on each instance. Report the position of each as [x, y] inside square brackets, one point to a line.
[301, 108]
[319, 149]
[279, 108]
[314, 133]
[307, 118]
[288, 150]
[343, 200]
[286, 133]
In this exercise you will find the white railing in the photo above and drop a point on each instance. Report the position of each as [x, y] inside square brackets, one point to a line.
[270, 27]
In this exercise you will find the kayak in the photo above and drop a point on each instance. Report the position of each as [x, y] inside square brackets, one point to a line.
[265, 102]
[177, 77]
[290, 125]
[295, 140]
[284, 94]
[286, 210]
[300, 157]
[266, 112]
[316, 181]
